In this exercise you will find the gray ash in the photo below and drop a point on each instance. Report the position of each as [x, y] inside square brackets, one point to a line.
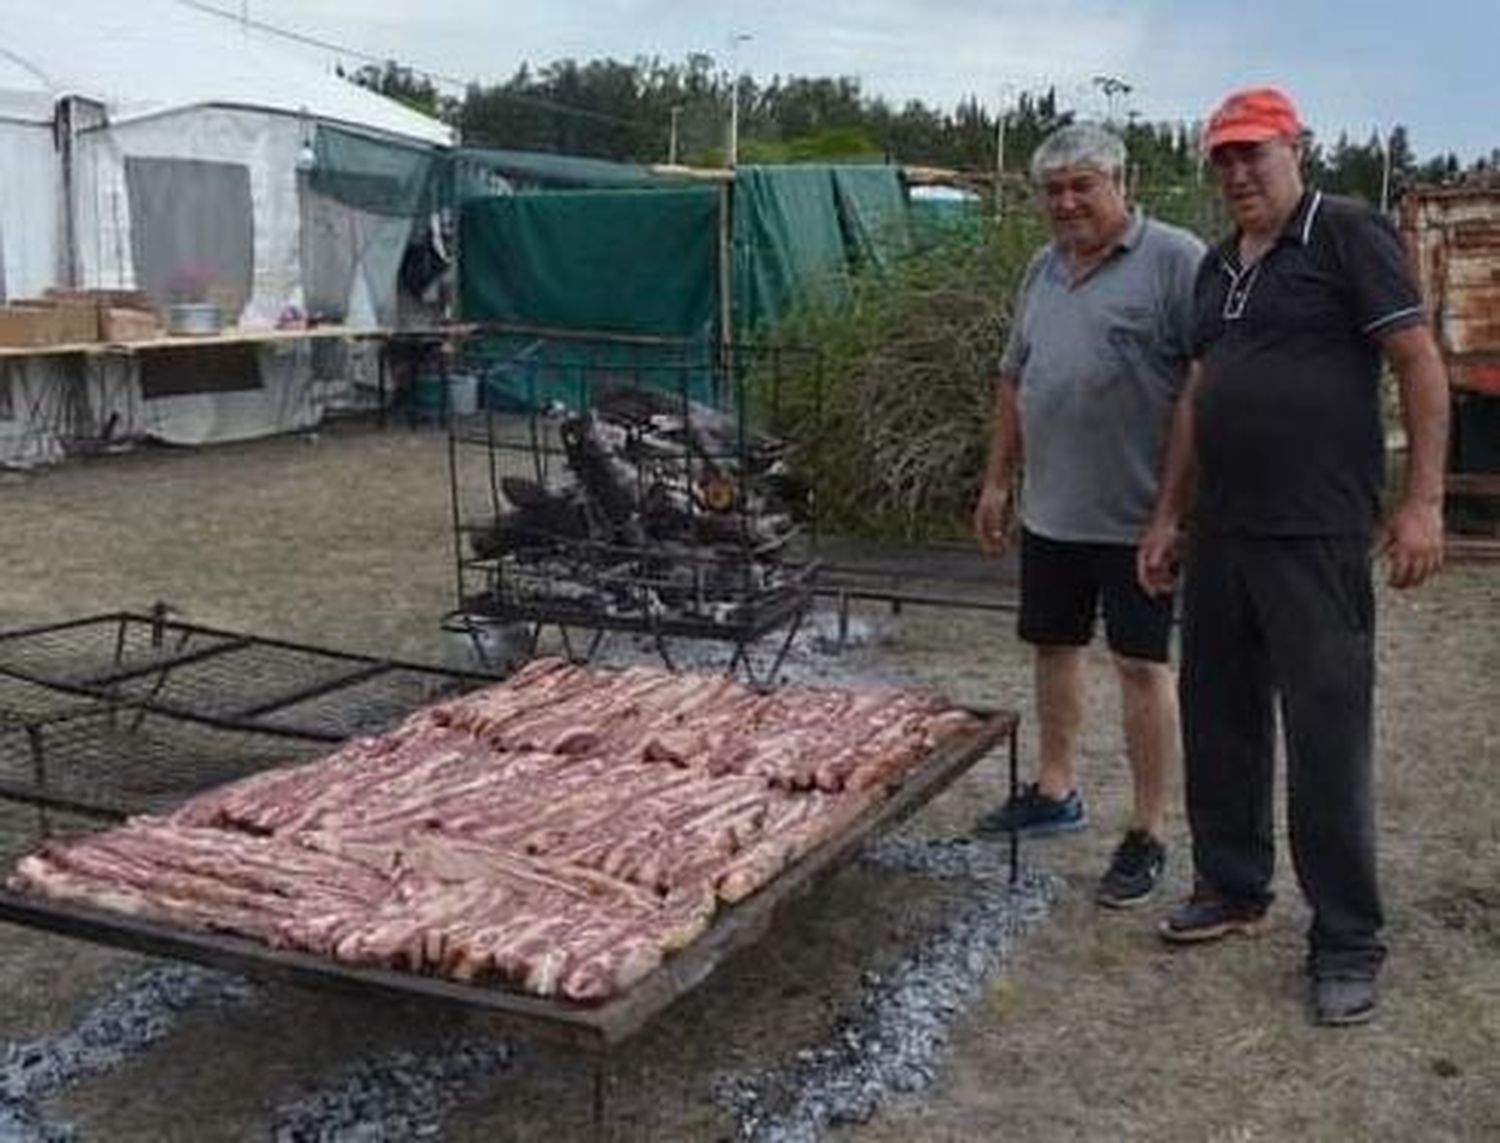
[893, 1043]
[396, 1097]
[135, 1014]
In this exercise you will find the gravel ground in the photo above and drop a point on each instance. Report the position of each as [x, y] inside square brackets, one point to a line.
[915, 996]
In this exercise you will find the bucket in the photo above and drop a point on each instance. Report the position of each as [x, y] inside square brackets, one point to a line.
[484, 643]
[201, 319]
[463, 394]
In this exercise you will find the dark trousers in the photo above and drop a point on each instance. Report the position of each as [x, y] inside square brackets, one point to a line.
[1288, 619]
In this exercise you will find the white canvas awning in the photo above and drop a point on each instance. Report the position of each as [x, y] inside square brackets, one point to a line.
[146, 57]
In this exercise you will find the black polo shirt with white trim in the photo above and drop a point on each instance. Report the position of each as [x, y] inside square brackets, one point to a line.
[1287, 423]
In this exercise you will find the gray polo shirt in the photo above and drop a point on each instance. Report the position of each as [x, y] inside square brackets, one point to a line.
[1100, 364]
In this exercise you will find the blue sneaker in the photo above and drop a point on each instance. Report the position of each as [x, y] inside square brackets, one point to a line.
[1032, 813]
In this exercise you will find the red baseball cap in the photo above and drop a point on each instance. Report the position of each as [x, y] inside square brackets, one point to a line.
[1252, 115]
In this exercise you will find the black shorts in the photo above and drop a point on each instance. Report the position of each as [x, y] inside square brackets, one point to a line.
[1061, 585]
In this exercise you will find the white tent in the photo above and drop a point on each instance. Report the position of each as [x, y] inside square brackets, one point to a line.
[153, 145]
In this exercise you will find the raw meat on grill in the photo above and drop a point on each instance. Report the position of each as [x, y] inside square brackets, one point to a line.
[561, 832]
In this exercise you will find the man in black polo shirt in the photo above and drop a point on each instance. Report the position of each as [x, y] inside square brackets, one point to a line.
[1278, 442]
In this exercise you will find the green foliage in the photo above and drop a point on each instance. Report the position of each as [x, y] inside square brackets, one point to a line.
[892, 425]
[835, 145]
[404, 86]
[609, 109]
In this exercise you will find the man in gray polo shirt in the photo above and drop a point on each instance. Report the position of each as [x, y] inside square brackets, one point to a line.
[1097, 356]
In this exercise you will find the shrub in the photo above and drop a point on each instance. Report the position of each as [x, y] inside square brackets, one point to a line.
[892, 428]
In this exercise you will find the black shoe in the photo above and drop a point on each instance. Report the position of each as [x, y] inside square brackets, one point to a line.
[1032, 813]
[1133, 871]
[1338, 1001]
[1207, 916]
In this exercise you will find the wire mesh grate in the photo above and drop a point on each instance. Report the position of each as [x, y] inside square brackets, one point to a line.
[122, 714]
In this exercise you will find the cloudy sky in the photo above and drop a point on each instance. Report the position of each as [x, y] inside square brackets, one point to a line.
[1353, 65]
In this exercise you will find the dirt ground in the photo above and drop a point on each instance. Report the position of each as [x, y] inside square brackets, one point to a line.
[1092, 1030]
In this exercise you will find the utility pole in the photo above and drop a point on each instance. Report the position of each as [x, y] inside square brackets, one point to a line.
[1385, 175]
[734, 121]
[735, 41]
[672, 141]
[1001, 122]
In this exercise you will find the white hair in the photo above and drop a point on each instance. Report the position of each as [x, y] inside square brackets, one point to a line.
[1079, 145]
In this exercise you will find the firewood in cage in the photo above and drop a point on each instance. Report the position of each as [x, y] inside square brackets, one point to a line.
[593, 452]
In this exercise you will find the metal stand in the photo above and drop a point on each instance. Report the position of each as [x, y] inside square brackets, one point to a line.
[605, 1083]
[670, 522]
[1013, 755]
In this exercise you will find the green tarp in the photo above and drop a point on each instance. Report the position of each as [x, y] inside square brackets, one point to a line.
[541, 169]
[522, 371]
[936, 220]
[646, 261]
[872, 208]
[621, 261]
[788, 244]
[375, 175]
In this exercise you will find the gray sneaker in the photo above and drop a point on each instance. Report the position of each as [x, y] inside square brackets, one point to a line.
[1339, 1001]
[1133, 871]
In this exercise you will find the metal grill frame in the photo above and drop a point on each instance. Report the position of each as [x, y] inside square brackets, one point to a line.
[592, 1028]
[101, 715]
[491, 588]
[106, 683]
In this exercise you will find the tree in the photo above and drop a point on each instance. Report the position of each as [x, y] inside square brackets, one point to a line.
[405, 86]
[624, 111]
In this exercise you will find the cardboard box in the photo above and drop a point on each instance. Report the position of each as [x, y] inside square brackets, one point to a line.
[85, 314]
[77, 320]
[117, 323]
[29, 324]
[102, 298]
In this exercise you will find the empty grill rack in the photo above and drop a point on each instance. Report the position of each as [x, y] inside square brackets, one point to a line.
[124, 713]
[221, 678]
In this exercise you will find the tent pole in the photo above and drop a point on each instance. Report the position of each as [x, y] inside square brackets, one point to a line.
[64, 138]
[726, 289]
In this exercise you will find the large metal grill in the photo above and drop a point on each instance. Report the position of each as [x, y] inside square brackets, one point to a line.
[95, 727]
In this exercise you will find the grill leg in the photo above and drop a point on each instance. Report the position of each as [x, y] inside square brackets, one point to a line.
[662, 649]
[1015, 787]
[596, 640]
[39, 774]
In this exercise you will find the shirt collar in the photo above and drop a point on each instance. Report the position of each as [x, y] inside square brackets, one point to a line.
[1133, 230]
[1299, 227]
